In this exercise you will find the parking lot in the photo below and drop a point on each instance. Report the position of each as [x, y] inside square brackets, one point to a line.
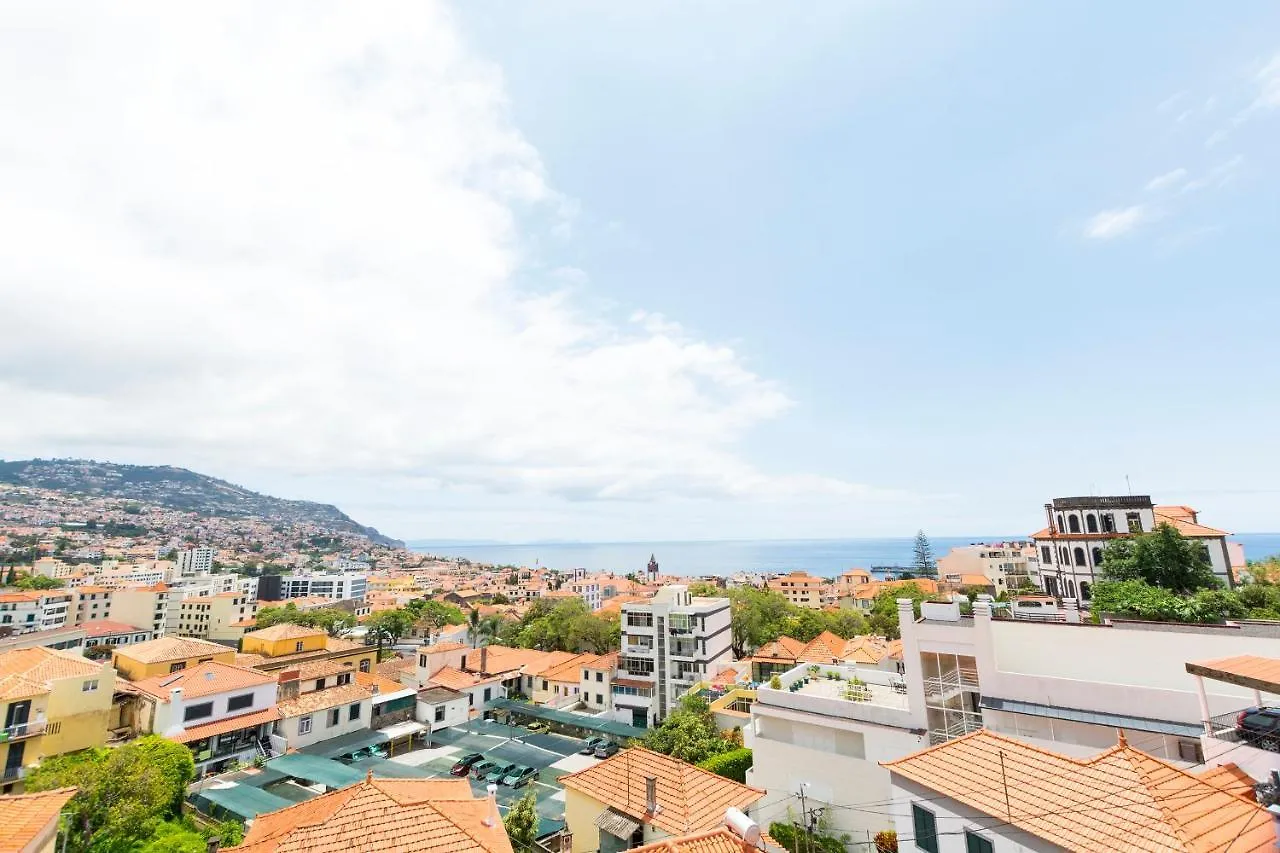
[552, 755]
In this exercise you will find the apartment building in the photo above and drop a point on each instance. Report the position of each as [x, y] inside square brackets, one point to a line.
[221, 617]
[1062, 686]
[312, 710]
[51, 702]
[1079, 529]
[336, 586]
[1004, 566]
[669, 642]
[196, 561]
[26, 611]
[144, 606]
[799, 588]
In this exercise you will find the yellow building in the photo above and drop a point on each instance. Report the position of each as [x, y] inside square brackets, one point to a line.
[223, 616]
[31, 820]
[52, 702]
[286, 645]
[800, 588]
[167, 654]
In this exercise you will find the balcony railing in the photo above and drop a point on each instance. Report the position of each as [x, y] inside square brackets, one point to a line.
[956, 726]
[963, 678]
[21, 730]
[1224, 727]
[12, 773]
[645, 651]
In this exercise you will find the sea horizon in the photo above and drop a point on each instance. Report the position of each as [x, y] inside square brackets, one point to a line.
[823, 557]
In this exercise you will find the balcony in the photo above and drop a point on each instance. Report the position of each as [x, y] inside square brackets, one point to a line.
[958, 723]
[22, 730]
[12, 774]
[951, 682]
[643, 651]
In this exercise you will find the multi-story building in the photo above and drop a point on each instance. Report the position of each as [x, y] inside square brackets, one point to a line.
[799, 588]
[317, 709]
[336, 586]
[1006, 566]
[669, 642]
[587, 588]
[26, 611]
[1080, 528]
[196, 561]
[220, 617]
[1063, 686]
[167, 655]
[51, 702]
[287, 646]
[144, 606]
[105, 632]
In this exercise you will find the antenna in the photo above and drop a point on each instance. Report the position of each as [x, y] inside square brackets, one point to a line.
[1004, 780]
[1128, 487]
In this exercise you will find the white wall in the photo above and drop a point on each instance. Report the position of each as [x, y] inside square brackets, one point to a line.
[320, 728]
[953, 819]
[168, 715]
[455, 713]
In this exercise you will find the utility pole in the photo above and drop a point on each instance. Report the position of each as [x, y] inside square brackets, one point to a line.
[804, 816]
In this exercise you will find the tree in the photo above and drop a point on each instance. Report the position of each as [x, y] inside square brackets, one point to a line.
[123, 794]
[688, 733]
[1137, 599]
[12, 577]
[388, 626]
[923, 562]
[38, 582]
[499, 598]
[565, 625]
[883, 618]
[1264, 571]
[733, 764]
[522, 821]
[1163, 558]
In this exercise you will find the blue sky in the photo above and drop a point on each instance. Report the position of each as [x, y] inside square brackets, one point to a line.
[657, 271]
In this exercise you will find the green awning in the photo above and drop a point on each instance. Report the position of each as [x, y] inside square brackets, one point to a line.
[344, 744]
[564, 718]
[313, 769]
[244, 801]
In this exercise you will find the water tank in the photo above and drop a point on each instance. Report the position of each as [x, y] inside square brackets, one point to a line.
[742, 826]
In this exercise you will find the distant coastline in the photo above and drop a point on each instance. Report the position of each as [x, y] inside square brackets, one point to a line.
[824, 557]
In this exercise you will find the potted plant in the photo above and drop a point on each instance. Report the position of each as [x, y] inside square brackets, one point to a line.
[775, 683]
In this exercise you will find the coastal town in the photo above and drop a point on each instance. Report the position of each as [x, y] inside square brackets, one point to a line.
[304, 686]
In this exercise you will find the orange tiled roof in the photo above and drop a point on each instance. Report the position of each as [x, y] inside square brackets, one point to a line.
[1183, 519]
[107, 628]
[718, 840]
[31, 672]
[690, 799]
[322, 669]
[570, 670]
[285, 631]
[1119, 799]
[230, 724]
[203, 680]
[26, 817]
[824, 648]
[1230, 778]
[456, 679]
[171, 648]
[1246, 670]
[321, 700]
[384, 684]
[381, 815]
[441, 647]
[783, 647]
[866, 649]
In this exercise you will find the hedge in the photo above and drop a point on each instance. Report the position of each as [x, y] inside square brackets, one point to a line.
[731, 765]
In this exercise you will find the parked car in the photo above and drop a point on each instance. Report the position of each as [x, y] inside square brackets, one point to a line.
[606, 749]
[482, 769]
[465, 763]
[591, 744]
[1260, 726]
[537, 726]
[520, 777]
[497, 774]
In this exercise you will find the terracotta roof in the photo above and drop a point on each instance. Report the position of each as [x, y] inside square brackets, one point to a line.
[783, 647]
[441, 647]
[824, 648]
[718, 840]
[285, 631]
[1229, 778]
[320, 700]
[1245, 670]
[203, 680]
[26, 817]
[1121, 799]
[250, 660]
[570, 670]
[322, 669]
[171, 648]
[1183, 519]
[230, 724]
[32, 671]
[456, 679]
[393, 667]
[690, 799]
[866, 649]
[384, 684]
[108, 628]
[381, 815]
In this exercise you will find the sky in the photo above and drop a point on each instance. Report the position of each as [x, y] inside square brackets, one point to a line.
[651, 271]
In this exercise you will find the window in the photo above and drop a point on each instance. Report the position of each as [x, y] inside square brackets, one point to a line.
[319, 684]
[1134, 521]
[335, 716]
[1046, 554]
[471, 699]
[297, 647]
[1091, 523]
[1073, 523]
[198, 712]
[974, 843]
[439, 713]
[544, 684]
[344, 678]
[488, 693]
[235, 703]
[353, 712]
[422, 661]
[1190, 750]
[1084, 589]
[89, 686]
[364, 665]
[1097, 556]
[1079, 555]
[1108, 523]
[304, 725]
[599, 676]
[599, 699]
[925, 827]
[178, 667]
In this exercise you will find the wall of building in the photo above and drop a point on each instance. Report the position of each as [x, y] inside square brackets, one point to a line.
[169, 717]
[136, 670]
[82, 714]
[455, 713]
[320, 728]
[580, 813]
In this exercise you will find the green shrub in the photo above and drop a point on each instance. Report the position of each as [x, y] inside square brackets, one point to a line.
[731, 765]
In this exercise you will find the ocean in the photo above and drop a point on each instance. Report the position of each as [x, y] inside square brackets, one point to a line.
[822, 557]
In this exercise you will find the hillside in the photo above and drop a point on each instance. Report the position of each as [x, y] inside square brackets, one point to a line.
[177, 488]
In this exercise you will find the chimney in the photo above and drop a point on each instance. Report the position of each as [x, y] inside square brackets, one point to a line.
[1048, 514]
[484, 660]
[492, 818]
[651, 794]
[288, 683]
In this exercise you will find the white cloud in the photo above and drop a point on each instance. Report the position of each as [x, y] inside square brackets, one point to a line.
[1167, 180]
[1110, 224]
[286, 239]
[1217, 177]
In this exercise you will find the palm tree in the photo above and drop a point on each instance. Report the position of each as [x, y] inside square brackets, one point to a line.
[473, 626]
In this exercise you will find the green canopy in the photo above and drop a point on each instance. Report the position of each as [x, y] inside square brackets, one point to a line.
[564, 718]
[244, 801]
[312, 768]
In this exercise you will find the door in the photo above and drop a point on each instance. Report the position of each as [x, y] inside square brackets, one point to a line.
[16, 718]
[14, 760]
[640, 718]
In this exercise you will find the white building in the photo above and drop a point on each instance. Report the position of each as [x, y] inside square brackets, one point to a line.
[320, 712]
[1007, 566]
[587, 588]
[1080, 528]
[196, 561]
[441, 708]
[336, 586]
[1063, 686]
[669, 642]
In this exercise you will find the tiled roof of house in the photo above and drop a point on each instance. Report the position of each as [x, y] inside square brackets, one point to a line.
[108, 628]
[866, 649]
[456, 679]
[824, 648]
[570, 670]
[25, 817]
[690, 799]
[1183, 519]
[1230, 778]
[230, 724]
[718, 840]
[171, 648]
[381, 682]
[322, 669]
[320, 700]
[441, 647]
[395, 666]
[31, 672]
[285, 631]
[203, 680]
[1120, 799]
[784, 647]
[382, 815]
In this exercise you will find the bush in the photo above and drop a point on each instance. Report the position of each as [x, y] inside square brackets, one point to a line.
[775, 683]
[886, 841]
[799, 841]
[731, 765]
